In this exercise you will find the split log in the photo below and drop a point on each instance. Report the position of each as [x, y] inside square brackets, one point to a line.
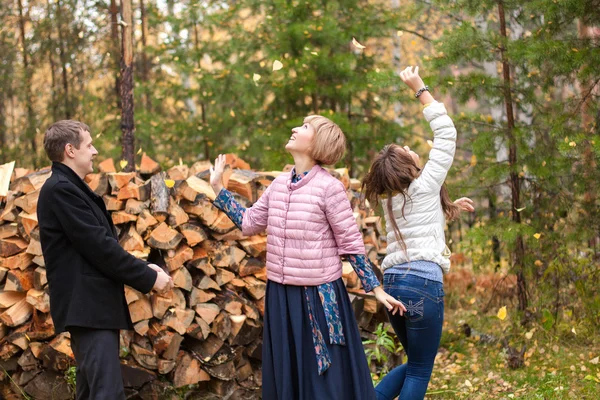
[159, 204]
[206, 349]
[146, 358]
[177, 216]
[17, 314]
[223, 276]
[199, 329]
[164, 237]
[7, 299]
[221, 326]
[145, 220]
[132, 295]
[49, 385]
[256, 246]
[112, 203]
[39, 278]
[8, 230]
[198, 296]
[201, 168]
[107, 166]
[188, 371]
[121, 217]
[28, 203]
[251, 266]
[98, 183]
[118, 180]
[6, 172]
[242, 182]
[178, 172]
[200, 261]
[20, 261]
[148, 166]
[207, 283]
[165, 343]
[34, 248]
[193, 233]
[182, 279]
[135, 207]
[39, 299]
[182, 255]
[19, 281]
[134, 191]
[28, 221]
[31, 182]
[165, 366]
[193, 186]
[255, 288]
[207, 311]
[132, 241]
[140, 310]
[178, 319]
[228, 256]
[3, 272]
[141, 328]
[11, 246]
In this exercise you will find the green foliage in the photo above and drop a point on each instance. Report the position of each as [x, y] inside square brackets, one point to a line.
[378, 350]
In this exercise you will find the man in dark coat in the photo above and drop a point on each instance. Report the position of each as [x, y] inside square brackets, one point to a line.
[86, 266]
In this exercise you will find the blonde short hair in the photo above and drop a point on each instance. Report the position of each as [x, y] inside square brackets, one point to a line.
[329, 143]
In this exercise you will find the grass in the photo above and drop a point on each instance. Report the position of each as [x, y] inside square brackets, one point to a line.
[561, 363]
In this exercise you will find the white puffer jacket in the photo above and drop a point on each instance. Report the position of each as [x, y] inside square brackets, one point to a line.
[422, 226]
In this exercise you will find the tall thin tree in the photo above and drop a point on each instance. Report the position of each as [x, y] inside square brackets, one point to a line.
[127, 121]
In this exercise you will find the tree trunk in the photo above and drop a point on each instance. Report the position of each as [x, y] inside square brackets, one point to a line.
[116, 48]
[519, 252]
[31, 119]
[127, 122]
[145, 67]
[63, 61]
[53, 106]
[587, 33]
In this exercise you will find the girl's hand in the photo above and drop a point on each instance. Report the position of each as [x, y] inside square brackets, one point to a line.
[388, 301]
[465, 204]
[216, 174]
[412, 79]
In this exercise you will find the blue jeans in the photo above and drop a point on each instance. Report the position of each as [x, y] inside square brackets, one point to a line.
[419, 331]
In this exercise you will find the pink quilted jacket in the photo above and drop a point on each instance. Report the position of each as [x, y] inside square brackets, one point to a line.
[309, 225]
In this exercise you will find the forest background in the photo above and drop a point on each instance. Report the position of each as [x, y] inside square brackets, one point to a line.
[520, 79]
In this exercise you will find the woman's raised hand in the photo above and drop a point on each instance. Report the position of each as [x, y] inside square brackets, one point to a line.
[216, 174]
[411, 77]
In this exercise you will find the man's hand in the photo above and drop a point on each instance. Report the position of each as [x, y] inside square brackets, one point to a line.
[388, 301]
[465, 204]
[163, 282]
[216, 174]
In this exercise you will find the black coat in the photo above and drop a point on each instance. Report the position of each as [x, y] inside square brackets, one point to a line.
[85, 265]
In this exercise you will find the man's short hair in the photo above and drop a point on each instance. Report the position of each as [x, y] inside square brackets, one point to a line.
[59, 134]
[329, 143]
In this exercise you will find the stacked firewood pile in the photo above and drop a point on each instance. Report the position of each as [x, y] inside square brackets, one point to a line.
[206, 332]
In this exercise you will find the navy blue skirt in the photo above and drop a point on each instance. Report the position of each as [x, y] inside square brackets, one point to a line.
[289, 368]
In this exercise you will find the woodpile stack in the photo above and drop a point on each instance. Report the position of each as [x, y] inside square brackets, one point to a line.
[206, 332]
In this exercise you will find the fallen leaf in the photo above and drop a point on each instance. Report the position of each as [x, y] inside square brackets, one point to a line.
[537, 235]
[357, 45]
[574, 331]
[256, 77]
[170, 183]
[502, 313]
[595, 360]
[277, 65]
[232, 113]
[473, 160]
[123, 163]
[529, 334]
[139, 151]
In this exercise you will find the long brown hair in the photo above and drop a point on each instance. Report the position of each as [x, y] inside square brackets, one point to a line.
[391, 173]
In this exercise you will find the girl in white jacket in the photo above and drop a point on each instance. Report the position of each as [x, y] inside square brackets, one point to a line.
[416, 205]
